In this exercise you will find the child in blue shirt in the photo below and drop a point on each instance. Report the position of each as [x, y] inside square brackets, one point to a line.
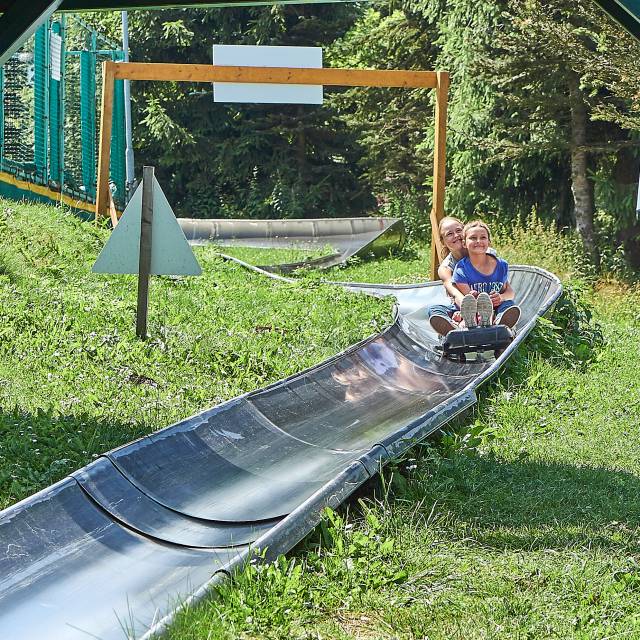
[483, 279]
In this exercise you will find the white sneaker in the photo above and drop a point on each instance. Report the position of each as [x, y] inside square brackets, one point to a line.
[468, 310]
[509, 317]
[485, 309]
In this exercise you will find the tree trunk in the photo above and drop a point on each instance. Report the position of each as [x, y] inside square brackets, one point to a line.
[629, 238]
[301, 143]
[581, 186]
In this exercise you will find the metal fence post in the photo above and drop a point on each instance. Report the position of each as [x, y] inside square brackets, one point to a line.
[146, 239]
[41, 103]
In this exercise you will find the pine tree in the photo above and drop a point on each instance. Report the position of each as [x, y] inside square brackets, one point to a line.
[543, 94]
[260, 161]
[556, 72]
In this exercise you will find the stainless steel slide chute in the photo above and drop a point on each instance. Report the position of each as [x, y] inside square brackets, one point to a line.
[345, 237]
[114, 550]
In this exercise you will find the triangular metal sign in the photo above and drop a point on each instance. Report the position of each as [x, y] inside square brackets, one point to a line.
[171, 254]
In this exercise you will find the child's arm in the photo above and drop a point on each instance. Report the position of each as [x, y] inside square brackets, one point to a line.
[445, 274]
[507, 293]
[460, 281]
[463, 288]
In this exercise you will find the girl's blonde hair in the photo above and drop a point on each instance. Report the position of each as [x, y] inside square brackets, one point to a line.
[444, 252]
[476, 223]
[444, 221]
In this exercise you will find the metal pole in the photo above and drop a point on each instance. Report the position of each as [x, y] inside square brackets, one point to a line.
[144, 265]
[129, 159]
[1, 114]
[638, 203]
[106, 121]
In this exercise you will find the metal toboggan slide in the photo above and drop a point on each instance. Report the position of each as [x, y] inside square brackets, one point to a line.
[115, 549]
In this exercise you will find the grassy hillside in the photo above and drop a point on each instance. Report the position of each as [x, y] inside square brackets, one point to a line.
[521, 521]
[74, 379]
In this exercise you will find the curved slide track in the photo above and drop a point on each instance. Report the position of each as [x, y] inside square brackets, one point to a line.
[115, 549]
[347, 237]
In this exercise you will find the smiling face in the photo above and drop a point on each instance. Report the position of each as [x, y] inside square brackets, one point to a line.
[451, 231]
[476, 240]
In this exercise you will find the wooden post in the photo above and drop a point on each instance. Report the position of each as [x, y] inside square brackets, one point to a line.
[113, 213]
[439, 169]
[334, 77]
[104, 150]
[146, 239]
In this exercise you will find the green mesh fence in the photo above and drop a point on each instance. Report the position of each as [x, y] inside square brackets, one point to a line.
[71, 122]
[117, 169]
[41, 102]
[18, 110]
[1, 111]
[50, 110]
[56, 112]
[88, 120]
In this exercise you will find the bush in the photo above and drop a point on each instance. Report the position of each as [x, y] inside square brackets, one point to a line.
[412, 209]
[535, 242]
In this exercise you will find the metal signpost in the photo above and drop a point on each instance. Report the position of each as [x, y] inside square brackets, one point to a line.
[147, 241]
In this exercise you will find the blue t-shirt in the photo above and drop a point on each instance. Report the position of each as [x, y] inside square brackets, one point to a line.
[466, 273]
[450, 262]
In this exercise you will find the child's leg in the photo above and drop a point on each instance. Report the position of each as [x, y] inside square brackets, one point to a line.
[440, 318]
[446, 310]
[468, 310]
[504, 306]
[485, 309]
[508, 313]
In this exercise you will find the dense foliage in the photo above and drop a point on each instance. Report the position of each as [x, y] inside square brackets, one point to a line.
[543, 116]
[239, 160]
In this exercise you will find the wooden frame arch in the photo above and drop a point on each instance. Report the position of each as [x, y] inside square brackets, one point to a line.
[438, 80]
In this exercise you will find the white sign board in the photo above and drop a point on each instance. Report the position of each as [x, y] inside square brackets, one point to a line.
[56, 56]
[171, 254]
[258, 56]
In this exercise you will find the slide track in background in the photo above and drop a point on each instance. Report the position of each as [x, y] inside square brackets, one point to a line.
[347, 237]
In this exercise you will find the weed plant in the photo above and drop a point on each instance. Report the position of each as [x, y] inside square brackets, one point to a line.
[412, 208]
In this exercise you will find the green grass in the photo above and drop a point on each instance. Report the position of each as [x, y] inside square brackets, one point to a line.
[272, 256]
[522, 521]
[529, 530]
[74, 379]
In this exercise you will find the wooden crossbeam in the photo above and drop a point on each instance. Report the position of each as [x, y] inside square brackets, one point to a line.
[165, 72]
[274, 75]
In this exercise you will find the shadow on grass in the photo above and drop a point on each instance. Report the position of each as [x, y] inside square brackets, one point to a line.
[531, 505]
[38, 449]
[524, 504]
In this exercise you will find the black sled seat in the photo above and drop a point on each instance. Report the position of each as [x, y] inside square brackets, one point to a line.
[461, 341]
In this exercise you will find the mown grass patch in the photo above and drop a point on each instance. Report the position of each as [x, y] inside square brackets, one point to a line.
[273, 256]
[74, 379]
